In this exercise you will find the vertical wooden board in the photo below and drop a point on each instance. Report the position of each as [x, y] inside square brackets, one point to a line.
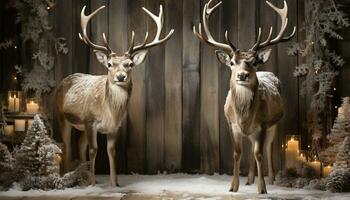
[209, 117]
[265, 18]
[286, 64]
[63, 63]
[98, 25]
[246, 38]
[190, 88]
[136, 144]
[118, 40]
[302, 119]
[79, 49]
[173, 87]
[155, 98]
[229, 23]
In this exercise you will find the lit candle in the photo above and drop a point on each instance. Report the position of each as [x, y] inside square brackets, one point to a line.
[302, 158]
[20, 125]
[32, 107]
[316, 165]
[13, 104]
[9, 129]
[327, 170]
[292, 152]
[58, 158]
[30, 122]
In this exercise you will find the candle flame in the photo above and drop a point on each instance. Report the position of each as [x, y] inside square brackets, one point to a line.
[292, 139]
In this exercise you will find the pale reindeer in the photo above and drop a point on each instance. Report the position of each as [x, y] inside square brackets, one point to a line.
[94, 104]
[253, 104]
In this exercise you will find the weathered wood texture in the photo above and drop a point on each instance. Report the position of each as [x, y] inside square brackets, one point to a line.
[175, 119]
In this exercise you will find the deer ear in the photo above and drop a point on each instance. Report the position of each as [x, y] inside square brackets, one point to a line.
[102, 58]
[223, 57]
[264, 55]
[139, 57]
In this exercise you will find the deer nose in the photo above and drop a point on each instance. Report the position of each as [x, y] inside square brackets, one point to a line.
[242, 76]
[121, 77]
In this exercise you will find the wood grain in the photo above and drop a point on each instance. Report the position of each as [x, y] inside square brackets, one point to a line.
[190, 89]
[209, 118]
[173, 87]
[136, 143]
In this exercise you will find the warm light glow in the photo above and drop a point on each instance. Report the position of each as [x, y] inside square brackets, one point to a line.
[15, 78]
[58, 158]
[15, 47]
[292, 139]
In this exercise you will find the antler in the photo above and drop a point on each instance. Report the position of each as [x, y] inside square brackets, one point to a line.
[207, 37]
[279, 38]
[84, 19]
[156, 41]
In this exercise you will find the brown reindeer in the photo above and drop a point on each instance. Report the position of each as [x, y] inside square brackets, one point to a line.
[253, 104]
[99, 103]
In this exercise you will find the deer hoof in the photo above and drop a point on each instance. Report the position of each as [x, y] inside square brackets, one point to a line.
[262, 191]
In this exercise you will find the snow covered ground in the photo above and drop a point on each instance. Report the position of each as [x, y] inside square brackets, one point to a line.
[174, 186]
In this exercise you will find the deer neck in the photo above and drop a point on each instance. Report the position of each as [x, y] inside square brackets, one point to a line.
[117, 97]
[244, 99]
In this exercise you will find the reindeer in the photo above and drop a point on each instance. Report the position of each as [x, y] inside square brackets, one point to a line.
[253, 105]
[94, 104]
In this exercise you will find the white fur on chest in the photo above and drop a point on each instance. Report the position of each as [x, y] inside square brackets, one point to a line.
[115, 108]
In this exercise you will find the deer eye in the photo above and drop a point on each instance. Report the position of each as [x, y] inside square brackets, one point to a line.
[109, 65]
[231, 63]
[131, 64]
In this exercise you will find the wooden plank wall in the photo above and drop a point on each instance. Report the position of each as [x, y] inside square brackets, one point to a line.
[175, 120]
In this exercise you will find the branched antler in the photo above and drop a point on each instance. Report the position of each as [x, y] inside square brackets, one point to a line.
[84, 19]
[279, 38]
[156, 41]
[206, 35]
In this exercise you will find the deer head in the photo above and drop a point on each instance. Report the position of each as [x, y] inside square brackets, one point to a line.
[243, 64]
[119, 67]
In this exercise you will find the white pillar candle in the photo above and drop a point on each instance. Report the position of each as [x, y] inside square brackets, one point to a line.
[30, 122]
[9, 130]
[302, 158]
[32, 107]
[20, 125]
[13, 104]
[292, 152]
[316, 165]
[327, 170]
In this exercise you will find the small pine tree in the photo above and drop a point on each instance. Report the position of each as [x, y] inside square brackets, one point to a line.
[36, 155]
[340, 130]
[339, 179]
[6, 167]
[343, 156]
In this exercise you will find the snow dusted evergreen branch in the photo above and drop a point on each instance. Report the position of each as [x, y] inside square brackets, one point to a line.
[6, 44]
[36, 27]
[322, 21]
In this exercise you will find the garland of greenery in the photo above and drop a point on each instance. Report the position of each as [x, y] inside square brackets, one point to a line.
[36, 32]
[322, 20]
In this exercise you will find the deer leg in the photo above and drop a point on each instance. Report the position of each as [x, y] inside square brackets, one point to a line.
[111, 140]
[258, 153]
[83, 144]
[92, 140]
[251, 173]
[237, 149]
[66, 129]
[269, 142]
